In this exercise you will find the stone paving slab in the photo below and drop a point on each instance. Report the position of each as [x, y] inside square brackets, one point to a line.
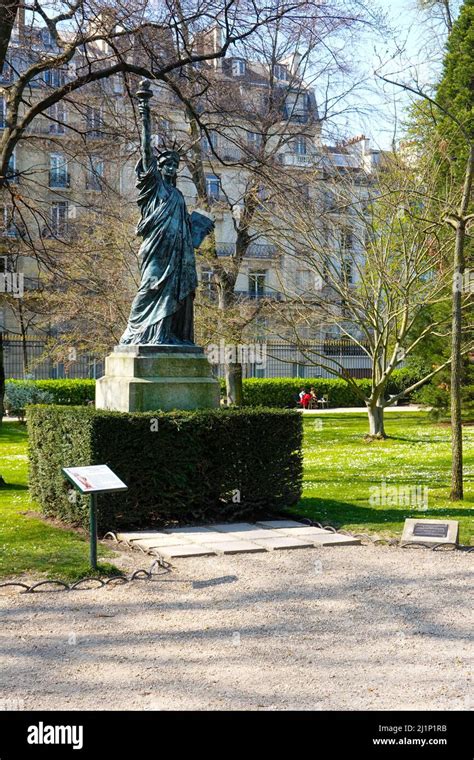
[283, 542]
[252, 535]
[235, 538]
[279, 524]
[336, 539]
[209, 538]
[305, 532]
[139, 535]
[192, 530]
[235, 547]
[233, 527]
[185, 550]
[162, 540]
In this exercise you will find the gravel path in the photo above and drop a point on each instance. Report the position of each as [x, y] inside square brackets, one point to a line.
[332, 629]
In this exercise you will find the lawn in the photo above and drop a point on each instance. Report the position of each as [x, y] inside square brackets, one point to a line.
[340, 471]
[344, 475]
[28, 544]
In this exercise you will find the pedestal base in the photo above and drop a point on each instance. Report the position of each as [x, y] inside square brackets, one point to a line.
[148, 378]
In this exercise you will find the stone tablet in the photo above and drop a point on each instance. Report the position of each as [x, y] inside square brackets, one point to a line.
[430, 532]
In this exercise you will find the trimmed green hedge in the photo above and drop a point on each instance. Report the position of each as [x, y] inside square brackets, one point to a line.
[64, 392]
[196, 466]
[283, 391]
[280, 392]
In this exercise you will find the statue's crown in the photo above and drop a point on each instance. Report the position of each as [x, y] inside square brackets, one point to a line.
[175, 150]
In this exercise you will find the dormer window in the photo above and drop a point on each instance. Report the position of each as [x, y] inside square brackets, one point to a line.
[47, 38]
[300, 145]
[280, 72]
[238, 67]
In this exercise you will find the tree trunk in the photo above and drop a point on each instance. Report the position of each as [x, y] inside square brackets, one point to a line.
[24, 344]
[8, 12]
[232, 370]
[376, 421]
[456, 368]
[233, 383]
[2, 378]
[456, 338]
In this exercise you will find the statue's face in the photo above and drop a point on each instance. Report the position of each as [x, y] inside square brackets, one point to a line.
[169, 167]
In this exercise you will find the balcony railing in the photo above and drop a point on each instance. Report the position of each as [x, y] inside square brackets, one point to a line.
[59, 179]
[43, 127]
[254, 251]
[225, 153]
[298, 159]
[297, 117]
[274, 295]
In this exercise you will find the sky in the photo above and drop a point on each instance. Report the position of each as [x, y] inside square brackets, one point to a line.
[377, 109]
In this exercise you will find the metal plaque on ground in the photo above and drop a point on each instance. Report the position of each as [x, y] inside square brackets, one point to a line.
[430, 532]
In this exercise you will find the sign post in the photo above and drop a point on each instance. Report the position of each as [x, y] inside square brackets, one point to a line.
[92, 480]
[93, 531]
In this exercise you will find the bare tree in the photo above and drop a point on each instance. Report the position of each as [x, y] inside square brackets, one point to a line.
[246, 117]
[59, 59]
[379, 263]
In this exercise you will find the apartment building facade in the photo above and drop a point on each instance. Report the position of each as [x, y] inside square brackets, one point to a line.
[79, 156]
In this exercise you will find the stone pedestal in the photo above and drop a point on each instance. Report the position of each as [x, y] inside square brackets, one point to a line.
[148, 378]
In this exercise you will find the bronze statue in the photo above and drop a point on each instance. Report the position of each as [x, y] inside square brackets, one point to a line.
[162, 311]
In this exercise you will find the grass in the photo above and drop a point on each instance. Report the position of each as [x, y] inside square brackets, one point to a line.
[340, 471]
[29, 544]
[343, 472]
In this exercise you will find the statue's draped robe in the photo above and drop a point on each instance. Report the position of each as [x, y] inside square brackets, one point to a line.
[162, 311]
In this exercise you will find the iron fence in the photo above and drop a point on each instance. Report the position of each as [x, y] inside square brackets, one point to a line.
[28, 358]
[261, 359]
[313, 359]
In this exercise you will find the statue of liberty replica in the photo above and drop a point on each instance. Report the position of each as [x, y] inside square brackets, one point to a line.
[157, 365]
[162, 312]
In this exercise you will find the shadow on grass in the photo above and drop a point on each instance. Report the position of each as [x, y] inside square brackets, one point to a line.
[13, 432]
[409, 439]
[345, 512]
[13, 487]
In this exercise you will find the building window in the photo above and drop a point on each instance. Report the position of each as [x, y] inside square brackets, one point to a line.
[263, 196]
[11, 171]
[301, 146]
[8, 227]
[94, 121]
[326, 269]
[57, 114]
[210, 141]
[257, 282]
[6, 76]
[54, 77]
[329, 201]
[238, 67]
[347, 271]
[95, 175]
[207, 282]
[58, 174]
[280, 72]
[347, 240]
[213, 186]
[47, 38]
[303, 279]
[117, 84]
[254, 140]
[59, 217]
[3, 113]
[345, 310]
[297, 107]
